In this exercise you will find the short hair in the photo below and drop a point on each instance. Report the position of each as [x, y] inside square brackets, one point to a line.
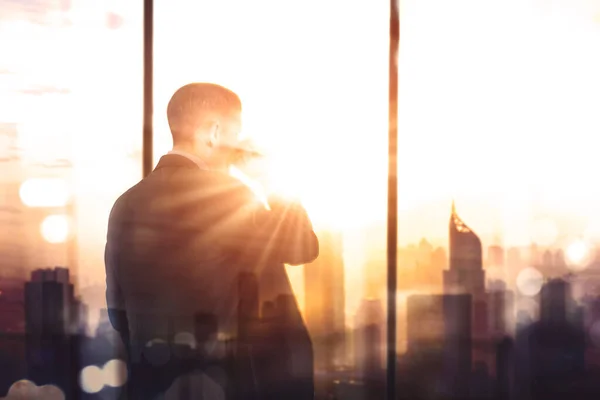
[195, 104]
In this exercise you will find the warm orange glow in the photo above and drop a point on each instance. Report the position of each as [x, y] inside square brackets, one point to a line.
[115, 373]
[25, 389]
[317, 99]
[544, 232]
[91, 379]
[530, 281]
[55, 228]
[577, 253]
[44, 192]
[256, 188]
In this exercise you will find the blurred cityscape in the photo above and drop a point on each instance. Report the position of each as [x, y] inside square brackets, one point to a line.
[531, 332]
[475, 321]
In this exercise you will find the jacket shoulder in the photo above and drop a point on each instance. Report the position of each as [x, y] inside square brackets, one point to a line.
[120, 206]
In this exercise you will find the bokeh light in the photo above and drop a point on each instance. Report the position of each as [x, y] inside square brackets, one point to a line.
[91, 379]
[529, 281]
[50, 392]
[25, 389]
[55, 228]
[577, 255]
[44, 192]
[22, 389]
[185, 339]
[115, 373]
[544, 232]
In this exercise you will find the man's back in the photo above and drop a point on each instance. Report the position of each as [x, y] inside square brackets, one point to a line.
[185, 265]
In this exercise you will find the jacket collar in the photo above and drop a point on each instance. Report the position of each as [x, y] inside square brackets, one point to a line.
[176, 160]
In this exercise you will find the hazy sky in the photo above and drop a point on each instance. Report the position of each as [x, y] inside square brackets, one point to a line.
[498, 104]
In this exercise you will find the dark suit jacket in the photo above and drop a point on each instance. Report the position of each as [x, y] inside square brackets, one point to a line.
[187, 249]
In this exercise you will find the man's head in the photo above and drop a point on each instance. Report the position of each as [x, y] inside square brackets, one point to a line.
[205, 119]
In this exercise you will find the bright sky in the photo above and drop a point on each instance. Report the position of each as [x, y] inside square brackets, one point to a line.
[498, 105]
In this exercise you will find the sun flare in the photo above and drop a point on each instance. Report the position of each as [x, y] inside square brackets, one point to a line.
[55, 228]
[577, 253]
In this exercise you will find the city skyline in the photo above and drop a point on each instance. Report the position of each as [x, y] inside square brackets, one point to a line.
[519, 187]
[498, 254]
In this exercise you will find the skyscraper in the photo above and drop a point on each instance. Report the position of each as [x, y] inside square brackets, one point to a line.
[495, 256]
[466, 274]
[513, 258]
[500, 312]
[50, 303]
[325, 301]
[52, 316]
[369, 337]
[439, 341]
[557, 304]
[556, 343]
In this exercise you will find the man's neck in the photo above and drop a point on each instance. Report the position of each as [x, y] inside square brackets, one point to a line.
[202, 162]
[190, 155]
[185, 149]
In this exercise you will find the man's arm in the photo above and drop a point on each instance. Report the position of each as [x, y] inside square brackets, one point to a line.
[284, 233]
[114, 297]
[296, 239]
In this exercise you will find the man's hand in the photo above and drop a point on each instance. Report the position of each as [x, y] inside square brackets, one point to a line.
[297, 241]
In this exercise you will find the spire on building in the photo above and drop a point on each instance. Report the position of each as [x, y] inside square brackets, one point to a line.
[465, 255]
[456, 222]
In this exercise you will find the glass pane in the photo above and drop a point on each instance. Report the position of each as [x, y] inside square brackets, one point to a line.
[497, 114]
[312, 78]
[70, 138]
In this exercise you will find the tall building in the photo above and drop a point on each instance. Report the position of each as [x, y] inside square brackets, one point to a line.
[424, 252]
[465, 273]
[425, 324]
[52, 316]
[50, 304]
[556, 344]
[501, 312]
[495, 256]
[369, 336]
[439, 342]
[535, 255]
[557, 304]
[439, 259]
[324, 309]
[513, 258]
[559, 258]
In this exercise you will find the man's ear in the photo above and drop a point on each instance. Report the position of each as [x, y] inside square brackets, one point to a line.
[214, 134]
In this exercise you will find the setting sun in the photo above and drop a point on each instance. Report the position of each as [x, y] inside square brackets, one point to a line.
[55, 228]
[577, 253]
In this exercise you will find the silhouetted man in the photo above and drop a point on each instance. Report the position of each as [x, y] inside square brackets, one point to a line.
[189, 249]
